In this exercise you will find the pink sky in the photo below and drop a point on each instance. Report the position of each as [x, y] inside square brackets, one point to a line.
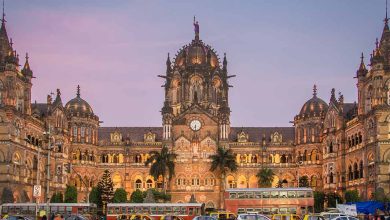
[115, 50]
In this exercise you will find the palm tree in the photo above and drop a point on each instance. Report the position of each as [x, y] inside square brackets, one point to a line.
[223, 160]
[162, 164]
[265, 177]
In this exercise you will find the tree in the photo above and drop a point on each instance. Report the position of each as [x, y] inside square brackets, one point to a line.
[319, 200]
[304, 181]
[70, 194]
[137, 197]
[57, 198]
[265, 177]
[223, 161]
[95, 197]
[106, 188]
[331, 198]
[24, 196]
[352, 196]
[279, 184]
[120, 196]
[7, 196]
[162, 164]
[149, 198]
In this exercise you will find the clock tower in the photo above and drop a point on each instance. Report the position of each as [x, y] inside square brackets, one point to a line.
[195, 117]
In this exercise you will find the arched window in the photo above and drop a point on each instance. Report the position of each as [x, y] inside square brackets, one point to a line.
[350, 173]
[355, 171]
[361, 169]
[138, 158]
[115, 158]
[149, 184]
[331, 177]
[331, 147]
[360, 138]
[138, 184]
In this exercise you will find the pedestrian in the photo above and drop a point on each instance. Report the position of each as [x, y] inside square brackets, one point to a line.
[44, 217]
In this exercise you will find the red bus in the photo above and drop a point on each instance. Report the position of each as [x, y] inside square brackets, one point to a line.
[186, 211]
[30, 209]
[269, 201]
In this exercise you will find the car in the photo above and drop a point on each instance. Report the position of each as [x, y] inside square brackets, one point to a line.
[252, 216]
[285, 217]
[204, 217]
[331, 215]
[313, 217]
[170, 217]
[223, 215]
[17, 217]
[345, 217]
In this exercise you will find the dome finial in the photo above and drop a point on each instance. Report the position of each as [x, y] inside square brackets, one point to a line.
[315, 90]
[196, 28]
[78, 91]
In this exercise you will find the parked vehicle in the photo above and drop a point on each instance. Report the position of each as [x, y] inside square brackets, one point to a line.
[204, 217]
[313, 217]
[252, 216]
[285, 217]
[223, 215]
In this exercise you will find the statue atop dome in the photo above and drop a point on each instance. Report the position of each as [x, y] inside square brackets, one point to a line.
[196, 29]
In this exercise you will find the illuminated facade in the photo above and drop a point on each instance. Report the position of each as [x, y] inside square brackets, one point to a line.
[337, 145]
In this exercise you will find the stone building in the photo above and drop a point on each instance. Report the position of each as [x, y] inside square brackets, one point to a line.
[337, 145]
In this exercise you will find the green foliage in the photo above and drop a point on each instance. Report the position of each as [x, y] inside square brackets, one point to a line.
[319, 200]
[57, 198]
[24, 196]
[137, 196]
[304, 181]
[149, 198]
[265, 177]
[106, 187]
[120, 196]
[7, 196]
[95, 197]
[160, 196]
[223, 160]
[70, 194]
[279, 184]
[352, 196]
[331, 198]
[379, 195]
[162, 164]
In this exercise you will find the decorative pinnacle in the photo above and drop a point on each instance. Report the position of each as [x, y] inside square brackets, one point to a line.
[27, 57]
[386, 20]
[315, 90]
[78, 91]
[3, 19]
[376, 43]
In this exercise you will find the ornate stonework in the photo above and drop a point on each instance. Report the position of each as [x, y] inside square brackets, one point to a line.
[337, 145]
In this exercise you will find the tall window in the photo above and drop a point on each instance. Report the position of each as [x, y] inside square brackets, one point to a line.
[149, 183]
[74, 131]
[138, 184]
[82, 131]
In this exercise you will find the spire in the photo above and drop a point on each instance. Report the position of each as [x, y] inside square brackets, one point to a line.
[169, 64]
[26, 68]
[3, 18]
[386, 20]
[78, 91]
[196, 29]
[224, 62]
[333, 96]
[58, 100]
[362, 65]
[315, 90]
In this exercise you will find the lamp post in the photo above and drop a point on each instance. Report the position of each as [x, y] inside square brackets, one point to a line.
[299, 163]
[48, 165]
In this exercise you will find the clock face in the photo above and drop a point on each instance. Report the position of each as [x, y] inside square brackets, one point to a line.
[195, 125]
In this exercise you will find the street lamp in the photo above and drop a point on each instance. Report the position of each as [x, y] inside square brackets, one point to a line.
[48, 133]
[299, 163]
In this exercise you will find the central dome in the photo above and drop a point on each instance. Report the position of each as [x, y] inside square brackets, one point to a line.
[196, 54]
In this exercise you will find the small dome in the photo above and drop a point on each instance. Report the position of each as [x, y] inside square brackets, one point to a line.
[78, 105]
[314, 106]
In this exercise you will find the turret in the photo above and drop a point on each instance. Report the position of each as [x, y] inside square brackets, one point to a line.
[26, 71]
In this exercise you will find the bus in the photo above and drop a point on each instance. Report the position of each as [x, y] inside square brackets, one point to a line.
[270, 201]
[186, 211]
[30, 209]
